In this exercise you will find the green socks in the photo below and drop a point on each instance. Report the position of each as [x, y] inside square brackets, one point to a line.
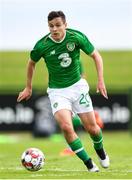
[78, 148]
[97, 141]
[76, 121]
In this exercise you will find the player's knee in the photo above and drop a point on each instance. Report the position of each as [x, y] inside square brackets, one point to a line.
[94, 130]
[65, 127]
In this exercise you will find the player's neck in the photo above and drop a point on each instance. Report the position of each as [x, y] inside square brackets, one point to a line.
[59, 40]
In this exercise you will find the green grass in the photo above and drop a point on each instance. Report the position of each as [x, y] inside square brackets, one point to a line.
[117, 144]
[117, 71]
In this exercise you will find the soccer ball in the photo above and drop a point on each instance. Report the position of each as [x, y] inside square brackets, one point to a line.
[33, 159]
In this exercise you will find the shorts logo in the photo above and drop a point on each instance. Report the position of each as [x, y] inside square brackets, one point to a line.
[70, 46]
[55, 105]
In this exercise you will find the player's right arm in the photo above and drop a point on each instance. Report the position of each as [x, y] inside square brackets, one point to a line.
[27, 92]
[35, 56]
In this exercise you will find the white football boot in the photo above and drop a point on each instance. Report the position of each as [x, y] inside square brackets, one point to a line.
[91, 166]
[94, 168]
[105, 163]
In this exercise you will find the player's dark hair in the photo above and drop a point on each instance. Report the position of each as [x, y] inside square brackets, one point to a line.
[55, 14]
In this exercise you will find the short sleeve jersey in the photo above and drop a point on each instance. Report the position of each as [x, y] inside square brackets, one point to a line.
[62, 58]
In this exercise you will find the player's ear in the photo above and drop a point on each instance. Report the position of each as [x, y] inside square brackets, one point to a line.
[65, 24]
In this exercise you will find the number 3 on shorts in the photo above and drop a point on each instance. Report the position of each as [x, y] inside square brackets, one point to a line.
[84, 99]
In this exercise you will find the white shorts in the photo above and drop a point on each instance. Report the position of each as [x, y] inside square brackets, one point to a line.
[74, 98]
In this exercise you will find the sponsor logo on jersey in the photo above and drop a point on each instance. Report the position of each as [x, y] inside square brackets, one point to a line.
[65, 60]
[70, 46]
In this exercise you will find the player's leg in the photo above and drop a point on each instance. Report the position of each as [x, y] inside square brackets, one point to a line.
[64, 119]
[76, 121]
[67, 151]
[84, 108]
[89, 122]
[99, 120]
[62, 108]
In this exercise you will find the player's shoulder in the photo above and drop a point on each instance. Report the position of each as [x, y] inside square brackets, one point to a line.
[42, 41]
[74, 32]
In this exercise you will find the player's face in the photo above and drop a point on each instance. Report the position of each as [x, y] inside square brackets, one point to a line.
[57, 28]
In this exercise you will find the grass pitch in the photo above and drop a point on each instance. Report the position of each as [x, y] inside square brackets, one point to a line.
[117, 144]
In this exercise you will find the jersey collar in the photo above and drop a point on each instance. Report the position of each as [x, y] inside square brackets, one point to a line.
[57, 41]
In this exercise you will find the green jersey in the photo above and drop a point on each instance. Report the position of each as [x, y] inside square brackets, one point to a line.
[62, 58]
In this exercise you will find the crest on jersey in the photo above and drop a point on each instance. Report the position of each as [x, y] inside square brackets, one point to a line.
[70, 46]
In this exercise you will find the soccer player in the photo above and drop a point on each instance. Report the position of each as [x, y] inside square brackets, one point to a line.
[67, 91]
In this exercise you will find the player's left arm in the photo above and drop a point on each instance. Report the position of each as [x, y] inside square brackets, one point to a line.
[99, 67]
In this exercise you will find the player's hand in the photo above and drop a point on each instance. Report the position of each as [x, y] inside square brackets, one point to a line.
[25, 94]
[102, 89]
